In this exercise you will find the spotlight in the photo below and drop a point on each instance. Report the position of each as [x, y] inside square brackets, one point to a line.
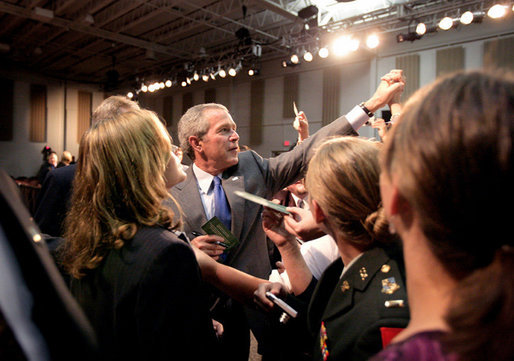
[307, 56]
[223, 73]
[295, 59]
[421, 29]
[196, 77]
[232, 71]
[205, 77]
[466, 18]
[251, 72]
[161, 85]
[372, 41]
[168, 83]
[446, 23]
[151, 88]
[344, 45]
[212, 75]
[184, 83]
[408, 37]
[144, 88]
[323, 52]
[130, 95]
[497, 11]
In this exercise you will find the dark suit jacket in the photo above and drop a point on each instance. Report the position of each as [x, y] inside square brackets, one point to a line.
[352, 315]
[146, 302]
[55, 314]
[260, 176]
[53, 200]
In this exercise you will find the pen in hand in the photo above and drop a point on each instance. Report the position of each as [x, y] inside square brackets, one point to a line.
[197, 234]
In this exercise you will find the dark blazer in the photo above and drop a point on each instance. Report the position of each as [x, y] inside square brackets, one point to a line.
[50, 306]
[146, 302]
[345, 314]
[53, 200]
[263, 177]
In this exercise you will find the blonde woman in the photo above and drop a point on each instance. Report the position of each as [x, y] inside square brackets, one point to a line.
[364, 290]
[138, 283]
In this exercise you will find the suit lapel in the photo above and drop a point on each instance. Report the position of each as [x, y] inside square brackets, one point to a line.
[188, 196]
[232, 183]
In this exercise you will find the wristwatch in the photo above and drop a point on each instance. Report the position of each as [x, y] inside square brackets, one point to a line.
[366, 110]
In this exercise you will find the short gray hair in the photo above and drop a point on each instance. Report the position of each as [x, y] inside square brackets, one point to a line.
[193, 123]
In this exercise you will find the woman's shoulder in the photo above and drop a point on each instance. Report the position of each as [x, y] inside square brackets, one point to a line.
[156, 237]
[151, 243]
[423, 346]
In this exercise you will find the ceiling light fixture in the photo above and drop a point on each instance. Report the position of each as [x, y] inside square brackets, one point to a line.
[400, 38]
[344, 45]
[446, 23]
[372, 41]
[421, 29]
[497, 11]
[323, 52]
[466, 18]
[307, 56]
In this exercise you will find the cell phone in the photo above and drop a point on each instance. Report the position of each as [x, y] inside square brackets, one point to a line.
[280, 303]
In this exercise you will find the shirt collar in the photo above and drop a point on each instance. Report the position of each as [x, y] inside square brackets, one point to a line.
[203, 178]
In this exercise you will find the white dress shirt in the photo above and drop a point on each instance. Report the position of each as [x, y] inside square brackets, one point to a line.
[204, 181]
[357, 117]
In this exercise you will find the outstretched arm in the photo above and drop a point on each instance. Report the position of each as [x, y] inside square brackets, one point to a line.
[237, 284]
[299, 273]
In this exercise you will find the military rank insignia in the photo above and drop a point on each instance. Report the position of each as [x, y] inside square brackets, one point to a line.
[389, 286]
[363, 273]
[345, 286]
[323, 341]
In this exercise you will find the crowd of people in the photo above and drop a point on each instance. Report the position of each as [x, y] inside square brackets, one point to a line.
[390, 249]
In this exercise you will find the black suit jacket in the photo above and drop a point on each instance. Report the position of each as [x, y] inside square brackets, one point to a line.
[53, 200]
[53, 311]
[146, 301]
[345, 314]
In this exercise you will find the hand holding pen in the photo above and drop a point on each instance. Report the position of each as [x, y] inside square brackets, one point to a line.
[210, 244]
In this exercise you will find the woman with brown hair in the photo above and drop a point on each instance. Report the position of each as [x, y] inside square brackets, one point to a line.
[447, 177]
[362, 291]
[138, 283]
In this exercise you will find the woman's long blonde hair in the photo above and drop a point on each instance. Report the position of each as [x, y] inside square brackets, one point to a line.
[119, 186]
[343, 178]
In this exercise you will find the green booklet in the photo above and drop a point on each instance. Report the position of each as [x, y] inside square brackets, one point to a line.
[262, 201]
[215, 227]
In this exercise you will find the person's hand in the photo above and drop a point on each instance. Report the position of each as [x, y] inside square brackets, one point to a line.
[259, 296]
[218, 328]
[301, 125]
[273, 225]
[381, 126]
[390, 78]
[208, 244]
[280, 267]
[390, 84]
[302, 225]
